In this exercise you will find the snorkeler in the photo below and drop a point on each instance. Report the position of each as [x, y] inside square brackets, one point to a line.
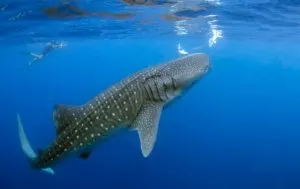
[49, 47]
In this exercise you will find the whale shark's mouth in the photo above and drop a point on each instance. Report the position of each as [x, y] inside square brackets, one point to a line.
[206, 68]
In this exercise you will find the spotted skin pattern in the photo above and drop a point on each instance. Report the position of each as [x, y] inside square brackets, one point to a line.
[80, 127]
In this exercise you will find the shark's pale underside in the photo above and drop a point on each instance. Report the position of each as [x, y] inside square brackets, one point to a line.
[134, 103]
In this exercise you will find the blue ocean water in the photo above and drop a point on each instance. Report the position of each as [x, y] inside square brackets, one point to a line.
[238, 128]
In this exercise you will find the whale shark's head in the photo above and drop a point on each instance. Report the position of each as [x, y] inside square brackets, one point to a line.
[179, 75]
[188, 69]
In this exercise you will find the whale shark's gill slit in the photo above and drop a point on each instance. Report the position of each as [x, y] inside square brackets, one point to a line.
[26, 147]
[173, 83]
[148, 90]
[159, 98]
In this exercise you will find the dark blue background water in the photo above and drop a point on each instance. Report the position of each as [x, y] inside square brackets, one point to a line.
[238, 128]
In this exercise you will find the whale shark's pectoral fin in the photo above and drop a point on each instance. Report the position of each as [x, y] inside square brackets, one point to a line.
[146, 125]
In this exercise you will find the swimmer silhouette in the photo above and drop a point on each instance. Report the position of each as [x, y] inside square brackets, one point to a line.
[49, 47]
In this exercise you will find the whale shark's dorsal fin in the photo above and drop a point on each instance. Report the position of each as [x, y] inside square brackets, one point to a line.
[64, 116]
[146, 124]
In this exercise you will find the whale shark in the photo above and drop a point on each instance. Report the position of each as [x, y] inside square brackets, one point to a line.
[134, 103]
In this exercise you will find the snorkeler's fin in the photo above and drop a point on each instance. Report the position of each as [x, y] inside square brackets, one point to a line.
[38, 56]
[26, 146]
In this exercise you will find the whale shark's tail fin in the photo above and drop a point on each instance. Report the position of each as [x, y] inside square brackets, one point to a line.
[26, 146]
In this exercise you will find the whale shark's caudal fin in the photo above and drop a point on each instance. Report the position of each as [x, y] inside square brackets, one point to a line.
[26, 146]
